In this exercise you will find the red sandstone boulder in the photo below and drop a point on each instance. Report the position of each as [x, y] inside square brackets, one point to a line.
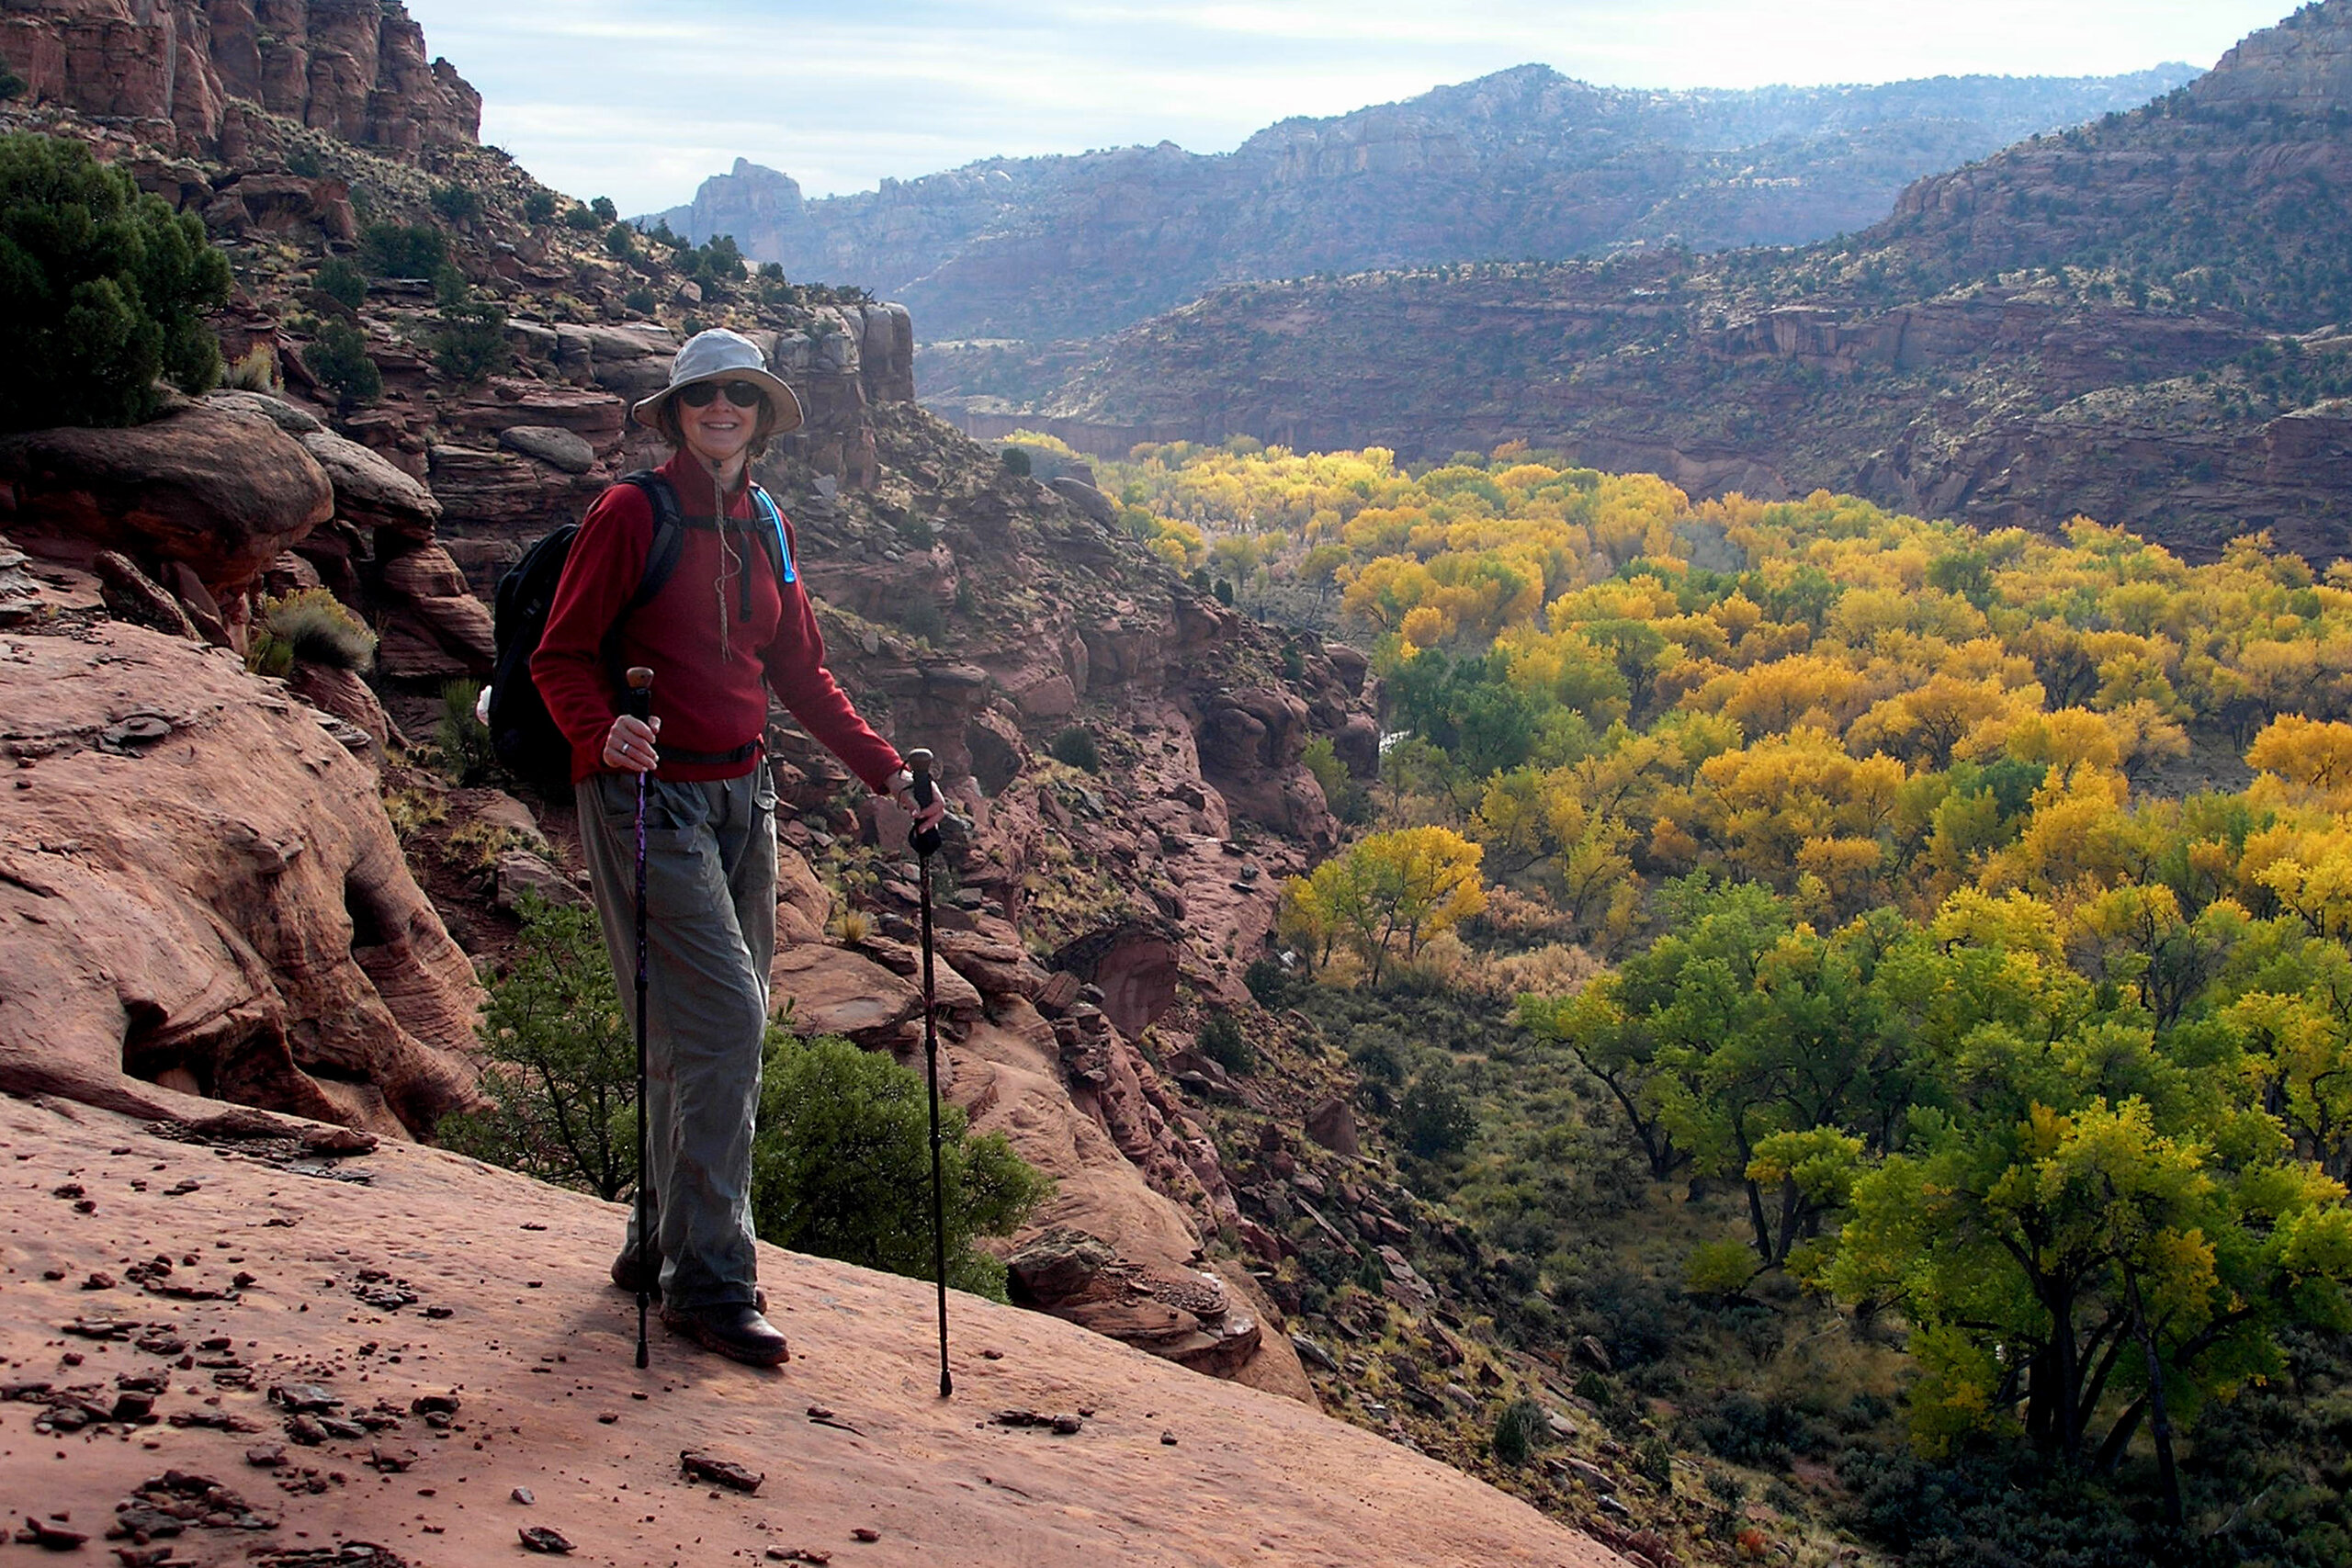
[220, 490]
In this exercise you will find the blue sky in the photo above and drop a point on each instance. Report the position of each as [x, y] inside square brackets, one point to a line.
[640, 101]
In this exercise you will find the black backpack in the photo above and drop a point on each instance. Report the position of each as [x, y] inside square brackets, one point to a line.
[523, 735]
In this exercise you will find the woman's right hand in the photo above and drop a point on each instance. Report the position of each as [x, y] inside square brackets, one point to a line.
[628, 745]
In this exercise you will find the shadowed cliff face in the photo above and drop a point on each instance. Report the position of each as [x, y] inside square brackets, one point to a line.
[2135, 320]
[354, 69]
[1523, 163]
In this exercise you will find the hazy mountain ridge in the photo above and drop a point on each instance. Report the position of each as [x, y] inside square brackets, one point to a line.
[1524, 163]
[2137, 319]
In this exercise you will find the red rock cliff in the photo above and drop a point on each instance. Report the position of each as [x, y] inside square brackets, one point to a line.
[354, 68]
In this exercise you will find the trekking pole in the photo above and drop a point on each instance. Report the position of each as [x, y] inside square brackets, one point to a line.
[926, 841]
[640, 706]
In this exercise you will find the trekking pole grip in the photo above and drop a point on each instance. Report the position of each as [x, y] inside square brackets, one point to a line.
[918, 762]
[640, 691]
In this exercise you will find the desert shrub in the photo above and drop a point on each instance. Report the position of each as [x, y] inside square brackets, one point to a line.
[1221, 1041]
[1016, 461]
[339, 358]
[314, 625]
[1349, 801]
[463, 741]
[257, 372]
[1435, 1118]
[449, 285]
[1519, 1430]
[342, 282]
[457, 203]
[471, 343]
[640, 300]
[11, 84]
[921, 616]
[583, 219]
[1736, 1426]
[841, 1167]
[620, 241]
[401, 250]
[1075, 746]
[106, 291]
[604, 209]
[561, 1084]
[539, 207]
[1654, 1462]
[1223, 589]
[1270, 984]
[410, 811]
[1721, 1268]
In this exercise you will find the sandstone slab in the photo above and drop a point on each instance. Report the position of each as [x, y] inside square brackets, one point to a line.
[533, 1362]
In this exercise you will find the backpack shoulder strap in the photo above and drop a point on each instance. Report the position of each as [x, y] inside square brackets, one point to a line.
[669, 534]
[772, 540]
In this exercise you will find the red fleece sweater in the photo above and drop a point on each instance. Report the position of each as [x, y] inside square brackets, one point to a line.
[706, 702]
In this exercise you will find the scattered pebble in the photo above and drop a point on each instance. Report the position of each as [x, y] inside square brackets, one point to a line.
[1169, 1438]
[709, 1467]
[866, 1534]
[522, 1495]
[538, 1538]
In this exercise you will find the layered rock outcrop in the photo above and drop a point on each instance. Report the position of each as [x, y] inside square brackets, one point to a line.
[203, 900]
[354, 69]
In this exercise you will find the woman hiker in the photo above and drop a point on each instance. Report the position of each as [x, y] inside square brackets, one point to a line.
[729, 623]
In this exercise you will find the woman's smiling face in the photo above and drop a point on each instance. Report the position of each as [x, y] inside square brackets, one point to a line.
[718, 431]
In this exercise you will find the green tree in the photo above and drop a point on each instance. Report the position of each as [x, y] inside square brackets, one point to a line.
[2103, 1262]
[342, 282]
[561, 1085]
[470, 342]
[339, 358]
[107, 289]
[400, 250]
[841, 1167]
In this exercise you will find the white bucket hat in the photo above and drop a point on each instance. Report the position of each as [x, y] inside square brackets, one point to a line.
[722, 356]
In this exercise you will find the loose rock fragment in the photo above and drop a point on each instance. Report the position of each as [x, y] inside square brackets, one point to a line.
[265, 1456]
[47, 1533]
[522, 1495]
[865, 1534]
[538, 1538]
[709, 1467]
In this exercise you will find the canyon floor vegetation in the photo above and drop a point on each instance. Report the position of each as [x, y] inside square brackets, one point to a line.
[1881, 982]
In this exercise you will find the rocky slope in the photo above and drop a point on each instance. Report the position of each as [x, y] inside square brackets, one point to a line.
[247, 1353]
[984, 615]
[1523, 163]
[2138, 319]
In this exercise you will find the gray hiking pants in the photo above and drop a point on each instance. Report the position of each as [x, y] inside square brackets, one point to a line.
[710, 934]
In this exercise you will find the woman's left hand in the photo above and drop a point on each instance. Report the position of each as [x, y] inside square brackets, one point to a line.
[924, 816]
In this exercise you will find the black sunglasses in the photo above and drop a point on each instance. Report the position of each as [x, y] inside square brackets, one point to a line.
[743, 394]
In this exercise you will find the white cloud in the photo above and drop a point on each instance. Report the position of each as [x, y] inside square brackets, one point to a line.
[641, 103]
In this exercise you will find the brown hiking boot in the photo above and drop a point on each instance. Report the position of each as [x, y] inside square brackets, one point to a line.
[625, 1278]
[736, 1332]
